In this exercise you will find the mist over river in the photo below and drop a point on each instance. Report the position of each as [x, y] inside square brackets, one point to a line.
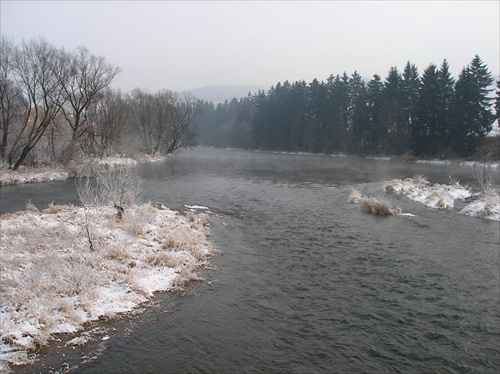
[307, 283]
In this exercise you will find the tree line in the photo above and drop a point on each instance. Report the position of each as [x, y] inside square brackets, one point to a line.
[57, 106]
[432, 114]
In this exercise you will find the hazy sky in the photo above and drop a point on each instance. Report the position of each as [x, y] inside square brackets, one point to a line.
[188, 44]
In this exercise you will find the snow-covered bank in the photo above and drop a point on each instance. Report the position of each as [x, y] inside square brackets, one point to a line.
[49, 174]
[51, 282]
[31, 175]
[441, 196]
[472, 164]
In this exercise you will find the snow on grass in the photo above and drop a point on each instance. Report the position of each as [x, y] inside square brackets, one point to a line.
[487, 207]
[51, 173]
[435, 196]
[51, 282]
[31, 175]
[441, 196]
[473, 164]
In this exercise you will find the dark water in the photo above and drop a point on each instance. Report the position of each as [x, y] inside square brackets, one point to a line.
[308, 283]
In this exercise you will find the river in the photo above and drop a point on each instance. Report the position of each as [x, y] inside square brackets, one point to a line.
[307, 283]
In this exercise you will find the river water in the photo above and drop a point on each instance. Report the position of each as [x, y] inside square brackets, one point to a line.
[308, 283]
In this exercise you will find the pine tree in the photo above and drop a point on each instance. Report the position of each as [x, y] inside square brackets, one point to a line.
[424, 132]
[393, 115]
[410, 90]
[472, 107]
[446, 85]
[338, 97]
[497, 103]
[358, 113]
[375, 101]
[317, 117]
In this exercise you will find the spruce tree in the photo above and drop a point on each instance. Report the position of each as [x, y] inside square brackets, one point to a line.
[338, 96]
[497, 103]
[425, 129]
[375, 101]
[446, 85]
[410, 89]
[316, 116]
[393, 113]
[472, 108]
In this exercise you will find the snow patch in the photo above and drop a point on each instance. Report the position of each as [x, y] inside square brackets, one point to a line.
[440, 196]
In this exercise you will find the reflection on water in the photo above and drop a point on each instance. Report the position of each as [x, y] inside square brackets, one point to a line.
[309, 283]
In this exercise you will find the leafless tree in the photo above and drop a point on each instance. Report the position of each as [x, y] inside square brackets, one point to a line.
[82, 76]
[143, 115]
[487, 178]
[109, 116]
[98, 188]
[178, 125]
[35, 69]
[164, 120]
[11, 99]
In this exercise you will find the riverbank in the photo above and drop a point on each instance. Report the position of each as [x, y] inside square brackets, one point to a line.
[53, 283]
[48, 174]
[53, 173]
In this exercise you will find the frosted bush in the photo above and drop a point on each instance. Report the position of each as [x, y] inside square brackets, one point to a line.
[355, 197]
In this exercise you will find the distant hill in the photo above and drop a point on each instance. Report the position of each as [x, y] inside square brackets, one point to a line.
[218, 94]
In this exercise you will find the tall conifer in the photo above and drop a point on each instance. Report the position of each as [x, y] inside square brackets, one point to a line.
[473, 115]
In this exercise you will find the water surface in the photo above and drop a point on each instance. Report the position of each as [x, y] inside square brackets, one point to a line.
[307, 282]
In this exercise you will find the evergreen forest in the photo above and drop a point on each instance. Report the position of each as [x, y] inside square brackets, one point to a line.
[407, 114]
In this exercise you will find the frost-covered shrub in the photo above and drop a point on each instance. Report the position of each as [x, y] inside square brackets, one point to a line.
[355, 197]
[419, 179]
[31, 208]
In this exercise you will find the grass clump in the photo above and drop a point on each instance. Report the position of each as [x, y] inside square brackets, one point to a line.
[376, 206]
[372, 204]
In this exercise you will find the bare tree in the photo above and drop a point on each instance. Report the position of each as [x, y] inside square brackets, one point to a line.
[82, 77]
[164, 120]
[97, 188]
[35, 68]
[487, 179]
[109, 116]
[11, 99]
[143, 115]
[181, 113]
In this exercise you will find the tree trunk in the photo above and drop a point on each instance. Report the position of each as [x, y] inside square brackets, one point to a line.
[20, 160]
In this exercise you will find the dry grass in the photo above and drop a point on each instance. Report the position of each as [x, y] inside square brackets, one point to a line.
[49, 277]
[164, 259]
[54, 209]
[373, 205]
[31, 208]
[376, 206]
[419, 179]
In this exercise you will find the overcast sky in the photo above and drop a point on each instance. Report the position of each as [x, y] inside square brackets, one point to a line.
[186, 44]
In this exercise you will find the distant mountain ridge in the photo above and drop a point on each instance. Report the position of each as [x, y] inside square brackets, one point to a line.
[220, 93]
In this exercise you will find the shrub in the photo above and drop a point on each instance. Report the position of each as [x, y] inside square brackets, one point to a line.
[355, 197]
[31, 208]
